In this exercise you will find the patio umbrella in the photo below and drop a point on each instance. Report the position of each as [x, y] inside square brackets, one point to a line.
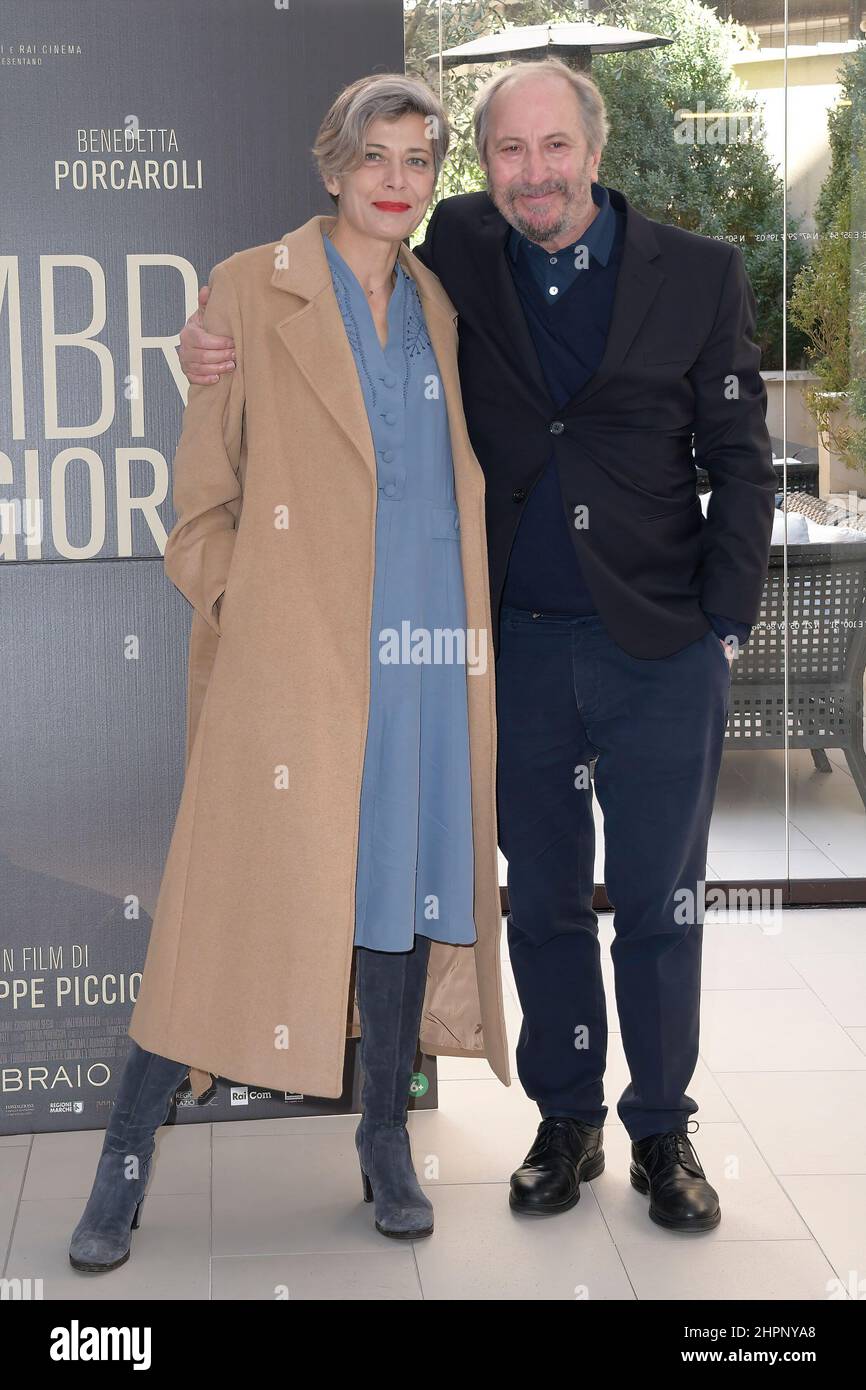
[574, 43]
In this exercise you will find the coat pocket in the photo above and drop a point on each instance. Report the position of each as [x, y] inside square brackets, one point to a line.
[681, 510]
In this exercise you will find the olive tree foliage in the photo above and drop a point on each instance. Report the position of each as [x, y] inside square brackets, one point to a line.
[671, 157]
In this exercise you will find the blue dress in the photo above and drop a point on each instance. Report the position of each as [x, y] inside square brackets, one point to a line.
[415, 869]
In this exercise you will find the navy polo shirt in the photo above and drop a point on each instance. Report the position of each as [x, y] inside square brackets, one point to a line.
[567, 298]
[568, 310]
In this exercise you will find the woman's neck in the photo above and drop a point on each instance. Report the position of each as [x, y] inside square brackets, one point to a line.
[372, 261]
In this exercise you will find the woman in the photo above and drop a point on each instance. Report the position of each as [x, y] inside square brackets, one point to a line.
[339, 799]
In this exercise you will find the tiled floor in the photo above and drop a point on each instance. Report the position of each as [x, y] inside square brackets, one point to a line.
[268, 1209]
[826, 812]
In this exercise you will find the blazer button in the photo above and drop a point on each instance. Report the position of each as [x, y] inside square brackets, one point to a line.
[519, 495]
[557, 427]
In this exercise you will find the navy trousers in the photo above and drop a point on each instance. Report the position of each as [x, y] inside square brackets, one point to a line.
[567, 694]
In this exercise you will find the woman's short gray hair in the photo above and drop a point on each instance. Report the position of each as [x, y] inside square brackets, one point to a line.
[339, 145]
[589, 100]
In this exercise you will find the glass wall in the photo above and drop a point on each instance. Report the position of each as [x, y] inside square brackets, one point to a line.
[749, 127]
[811, 92]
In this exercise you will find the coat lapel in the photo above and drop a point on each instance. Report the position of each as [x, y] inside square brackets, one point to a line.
[637, 285]
[314, 334]
[638, 282]
[495, 294]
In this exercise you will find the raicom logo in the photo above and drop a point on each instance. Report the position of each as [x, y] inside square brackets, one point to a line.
[242, 1095]
[77, 1343]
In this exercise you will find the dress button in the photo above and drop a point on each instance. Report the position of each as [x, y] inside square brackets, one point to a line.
[553, 290]
[557, 427]
[390, 418]
[519, 495]
[388, 455]
[389, 379]
[390, 489]
[456, 523]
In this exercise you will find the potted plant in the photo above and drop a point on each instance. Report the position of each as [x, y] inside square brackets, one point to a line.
[828, 303]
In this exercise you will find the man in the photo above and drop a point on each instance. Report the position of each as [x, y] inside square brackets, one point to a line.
[602, 356]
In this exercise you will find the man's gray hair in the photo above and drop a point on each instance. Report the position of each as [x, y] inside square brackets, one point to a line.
[589, 100]
[339, 145]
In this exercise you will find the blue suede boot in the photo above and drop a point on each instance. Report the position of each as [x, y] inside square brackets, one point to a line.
[100, 1241]
[391, 988]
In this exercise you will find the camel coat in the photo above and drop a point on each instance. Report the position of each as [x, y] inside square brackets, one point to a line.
[249, 966]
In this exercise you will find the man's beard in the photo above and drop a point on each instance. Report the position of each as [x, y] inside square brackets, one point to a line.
[537, 230]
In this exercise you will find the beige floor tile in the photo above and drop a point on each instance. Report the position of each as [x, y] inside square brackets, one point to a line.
[280, 1195]
[817, 931]
[773, 1030]
[698, 1267]
[834, 1209]
[803, 1122]
[839, 982]
[482, 1250]
[169, 1255]
[13, 1168]
[379, 1276]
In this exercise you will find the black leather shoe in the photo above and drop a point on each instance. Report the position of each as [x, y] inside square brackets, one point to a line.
[666, 1166]
[565, 1153]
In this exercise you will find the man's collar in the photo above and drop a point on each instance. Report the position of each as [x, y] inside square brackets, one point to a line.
[598, 237]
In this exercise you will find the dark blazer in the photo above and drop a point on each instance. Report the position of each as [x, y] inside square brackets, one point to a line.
[680, 368]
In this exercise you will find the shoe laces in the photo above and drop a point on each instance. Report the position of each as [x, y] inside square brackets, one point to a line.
[676, 1144]
[557, 1135]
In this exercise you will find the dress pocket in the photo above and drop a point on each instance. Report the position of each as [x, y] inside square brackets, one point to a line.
[445, 523]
